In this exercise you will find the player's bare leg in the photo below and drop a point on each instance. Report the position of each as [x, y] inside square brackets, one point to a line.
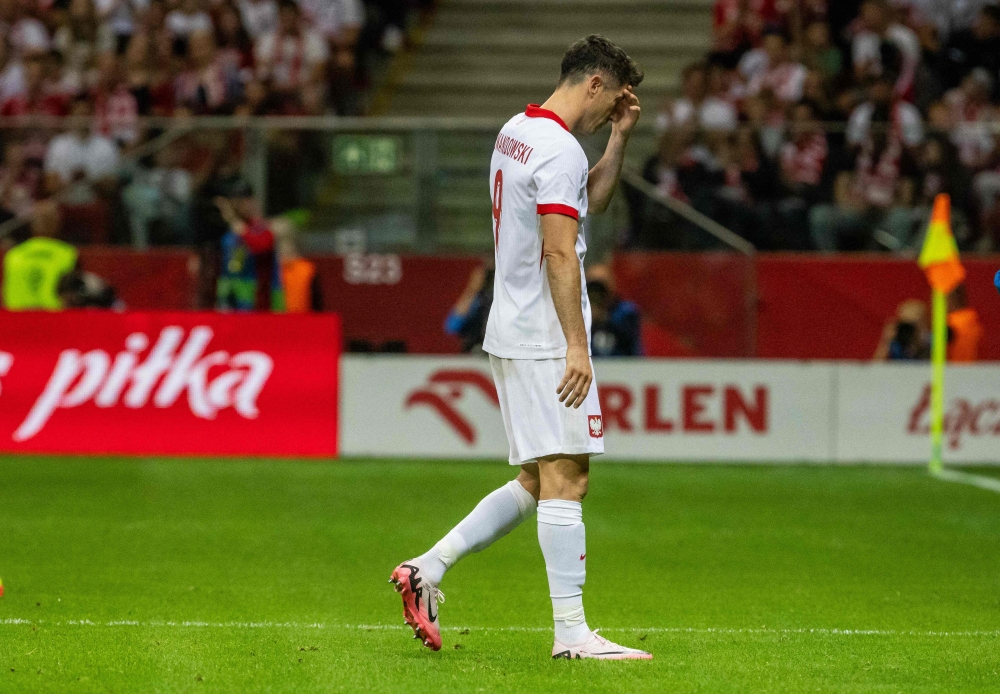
[417, 580]
[562, 537]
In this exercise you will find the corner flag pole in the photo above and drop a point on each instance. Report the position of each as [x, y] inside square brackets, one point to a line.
[939, 343]
[939, 260]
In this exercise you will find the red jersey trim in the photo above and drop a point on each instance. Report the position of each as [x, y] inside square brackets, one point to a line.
[536, 111]
[556, 208]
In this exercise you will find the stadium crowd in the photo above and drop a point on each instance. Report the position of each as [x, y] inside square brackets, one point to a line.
[832, 125]
[117, 60]
[178, 57]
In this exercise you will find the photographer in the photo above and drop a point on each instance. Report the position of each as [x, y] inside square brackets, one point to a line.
[467, 318]
[906, 337]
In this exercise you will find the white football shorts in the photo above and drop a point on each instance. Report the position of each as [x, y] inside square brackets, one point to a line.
[537, 424]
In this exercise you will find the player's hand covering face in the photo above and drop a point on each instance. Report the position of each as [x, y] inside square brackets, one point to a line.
[626, 112]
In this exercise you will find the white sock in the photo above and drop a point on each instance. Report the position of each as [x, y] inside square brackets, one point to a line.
[564, 545]
[496, 515]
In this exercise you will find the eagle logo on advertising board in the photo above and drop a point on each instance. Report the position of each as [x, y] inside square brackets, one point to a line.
[445, 388]
[596, 426]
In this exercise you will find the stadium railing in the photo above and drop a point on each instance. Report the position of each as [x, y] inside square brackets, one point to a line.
[412, 185]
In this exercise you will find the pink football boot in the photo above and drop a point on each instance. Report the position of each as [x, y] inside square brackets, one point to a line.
[420, 599]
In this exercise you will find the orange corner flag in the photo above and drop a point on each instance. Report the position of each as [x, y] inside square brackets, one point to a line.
[939, 256]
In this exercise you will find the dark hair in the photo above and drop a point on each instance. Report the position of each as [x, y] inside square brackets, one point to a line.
[597, 54]
[777, 30]
[598, 290]
[991, 11]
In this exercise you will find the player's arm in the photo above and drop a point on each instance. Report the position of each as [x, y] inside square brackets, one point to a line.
[229, 215]
[559, 234]
[604, 176]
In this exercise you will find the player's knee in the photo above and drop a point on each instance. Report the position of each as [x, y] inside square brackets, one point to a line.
[528, 478]
[573, 487]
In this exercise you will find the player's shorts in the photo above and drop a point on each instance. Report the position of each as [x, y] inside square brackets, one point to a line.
[537, 424]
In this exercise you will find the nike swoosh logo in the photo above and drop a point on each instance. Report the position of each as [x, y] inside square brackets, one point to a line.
[582, 557]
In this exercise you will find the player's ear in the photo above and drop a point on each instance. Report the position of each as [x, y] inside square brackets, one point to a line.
[594, 84]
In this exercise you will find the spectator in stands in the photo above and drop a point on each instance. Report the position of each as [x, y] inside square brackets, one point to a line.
[119, 20]
[663, 168]
[879, 36]
[876, 195]
[116, 108]
[698, 106]
[978, 46]
[158, 200]
[819, 52]
[941, 171]
[617, 324]
[188, 18]
[723, 98]
[816, 93]
[292, 57]
[82, 156]
[947, 17]
[743, 200]
[737, 26]
[251, 277]
[778, 73]
[20, 181]
[802, 166]
[210, 85]
[467, 318]
[37, 98]
[902, 118]
[391, 31]
[766, 115]
[339, 22]
[76, 41]
[27, 34]
[12, 78]
[972, 118]
[234, 43]
[260, 17]
[906, 336]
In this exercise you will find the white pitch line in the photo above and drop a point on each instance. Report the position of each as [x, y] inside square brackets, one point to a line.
[990, 483]
[394, 627]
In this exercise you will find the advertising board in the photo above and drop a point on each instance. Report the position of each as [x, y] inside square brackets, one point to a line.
[169, 383]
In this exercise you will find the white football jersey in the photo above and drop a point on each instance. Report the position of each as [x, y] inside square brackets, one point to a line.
[538, 168]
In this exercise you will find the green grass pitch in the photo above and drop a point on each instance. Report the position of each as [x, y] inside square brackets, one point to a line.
[235, 576]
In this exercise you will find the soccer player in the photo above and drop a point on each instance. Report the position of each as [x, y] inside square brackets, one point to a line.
[538, 339]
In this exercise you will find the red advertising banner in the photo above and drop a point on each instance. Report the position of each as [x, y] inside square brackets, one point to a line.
[169, 383]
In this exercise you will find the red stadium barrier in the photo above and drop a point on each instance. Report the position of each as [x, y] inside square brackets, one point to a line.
[169, 383]
[775, 306]
[801, 306]
[163, 279]
[834, 307]
[391, 298]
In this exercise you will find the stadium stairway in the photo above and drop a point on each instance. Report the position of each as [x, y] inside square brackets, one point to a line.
[491, 57]
[487, 59]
